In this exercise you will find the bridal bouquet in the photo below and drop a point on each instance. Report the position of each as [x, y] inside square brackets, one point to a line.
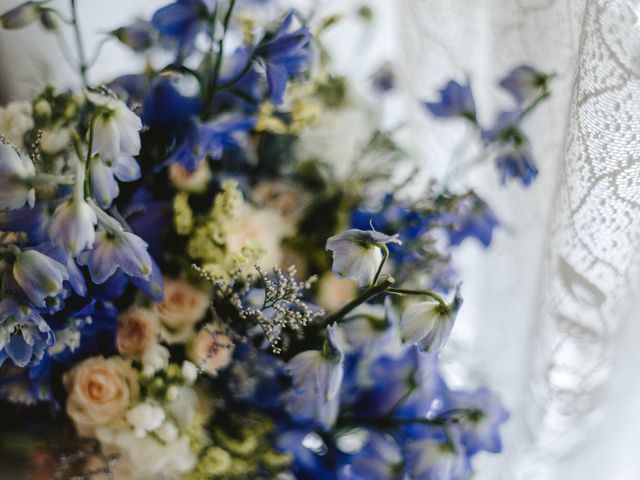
[210, 270]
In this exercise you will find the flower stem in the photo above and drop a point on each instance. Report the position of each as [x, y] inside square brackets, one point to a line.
[428, 293]
[82, 58]
[385, 255]
[371, 292]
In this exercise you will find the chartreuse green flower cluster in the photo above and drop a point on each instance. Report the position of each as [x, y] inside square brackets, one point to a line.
[207, 244]
[246, 453]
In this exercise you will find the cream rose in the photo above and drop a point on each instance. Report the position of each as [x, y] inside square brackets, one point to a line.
[100, 391]
[211, 351]
[137, 329]
[265, 228]
[183, 306]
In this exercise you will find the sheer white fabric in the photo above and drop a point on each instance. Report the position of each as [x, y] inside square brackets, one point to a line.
[548, 308]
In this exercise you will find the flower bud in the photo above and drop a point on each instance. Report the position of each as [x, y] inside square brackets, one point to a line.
[21, 16]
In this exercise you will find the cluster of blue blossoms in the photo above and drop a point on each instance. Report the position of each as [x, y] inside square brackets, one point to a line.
[87, 231]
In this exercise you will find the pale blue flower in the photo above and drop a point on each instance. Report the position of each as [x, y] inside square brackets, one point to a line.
[479, 428]
[286, 55]
[432, 459]
[22, 15]
[317, 378]
[24, 335]
[138, 36]
[516, 162]
[428, 324]
[15, 171]
[456, 100]
[524, 83]
[115, 250]
[39, 276]
[357, 254]
[380, 459]
[72, 226]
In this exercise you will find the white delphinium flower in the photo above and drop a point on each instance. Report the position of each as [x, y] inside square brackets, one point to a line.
[116, 139]
[16, 119]
[16, 170]
[39, 276]
[357, 254]
[428, 324]
[72, 226]
[154, 359]
[145, 417]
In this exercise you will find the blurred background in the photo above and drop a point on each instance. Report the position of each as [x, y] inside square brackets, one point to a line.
[550, 318]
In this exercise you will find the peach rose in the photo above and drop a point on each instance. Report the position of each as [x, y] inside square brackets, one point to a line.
[100, 391]
[137, 329]
[211, 350]
[183, 306]
[195, 182]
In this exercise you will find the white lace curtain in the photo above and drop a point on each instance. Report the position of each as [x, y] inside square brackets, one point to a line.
[550, 316]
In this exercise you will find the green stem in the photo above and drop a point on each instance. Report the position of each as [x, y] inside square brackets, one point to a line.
[385, 255]
[428, 293]
[535, 103]
[212, 84]
[82, 58]
[371, 292]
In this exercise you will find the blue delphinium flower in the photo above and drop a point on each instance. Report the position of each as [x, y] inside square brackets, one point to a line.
[138, 36]
[208, 141]
[517, 163]
[182, 21]
[39, 276]
[380, 459]
[515, 160]
[24, 335]
[168, 111]
[115, 250]
[286, 55]
[472, 217]
[357, 254]
[479, 428]
[456, 100]
[317, 377]
[15, 170]
[524, 83]
[33, 221]
[428, 324]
